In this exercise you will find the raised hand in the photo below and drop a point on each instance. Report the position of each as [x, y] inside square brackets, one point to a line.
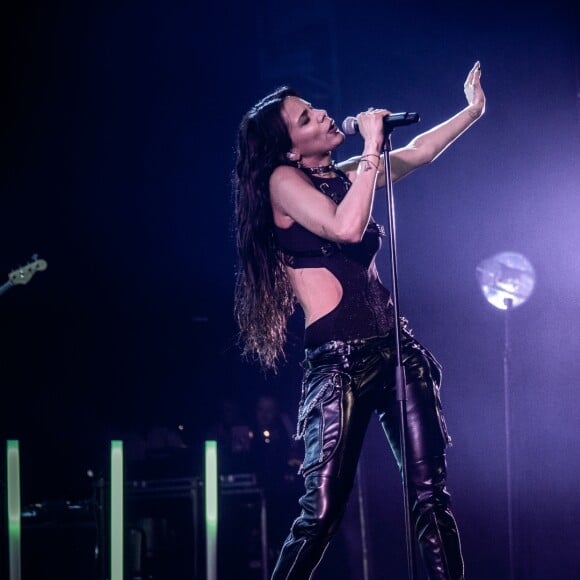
[474, 92]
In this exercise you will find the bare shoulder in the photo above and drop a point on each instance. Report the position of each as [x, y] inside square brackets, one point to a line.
[294, 198]
[287, 181]
[284, 174]
[282, 181]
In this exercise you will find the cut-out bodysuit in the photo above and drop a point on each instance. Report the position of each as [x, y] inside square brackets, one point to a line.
[366, 307]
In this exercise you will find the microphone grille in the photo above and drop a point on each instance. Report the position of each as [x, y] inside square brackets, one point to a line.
[349, 125]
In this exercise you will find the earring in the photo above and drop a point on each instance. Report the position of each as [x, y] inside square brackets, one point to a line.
[292, 156]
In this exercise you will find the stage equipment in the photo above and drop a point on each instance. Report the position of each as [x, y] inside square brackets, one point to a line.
[117, 511]
[13, 508]
[55, 538]
[507, 280]
[60, 540]
[400, 370]
[211, 508]
[167, 538]
[22, 275]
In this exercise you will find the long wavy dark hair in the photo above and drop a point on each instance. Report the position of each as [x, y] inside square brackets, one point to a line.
[263, 298]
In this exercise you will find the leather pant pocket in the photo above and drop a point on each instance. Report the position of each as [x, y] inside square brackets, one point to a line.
[320, 419]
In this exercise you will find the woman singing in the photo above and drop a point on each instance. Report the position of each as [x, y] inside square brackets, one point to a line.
[305, 234]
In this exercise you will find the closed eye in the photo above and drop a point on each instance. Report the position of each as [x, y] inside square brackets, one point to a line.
[304, 117]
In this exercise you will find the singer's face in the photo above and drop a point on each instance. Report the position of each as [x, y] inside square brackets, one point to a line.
[313, 133]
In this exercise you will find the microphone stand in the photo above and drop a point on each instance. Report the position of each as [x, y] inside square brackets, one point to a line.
[509, 304]
[399, 369]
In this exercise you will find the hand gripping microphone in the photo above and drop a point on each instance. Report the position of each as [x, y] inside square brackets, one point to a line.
[350, 124]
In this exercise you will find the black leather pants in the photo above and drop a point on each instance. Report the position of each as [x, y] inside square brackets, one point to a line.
[344, 383]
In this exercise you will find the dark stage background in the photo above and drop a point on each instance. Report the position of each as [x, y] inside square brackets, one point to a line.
[118, 129]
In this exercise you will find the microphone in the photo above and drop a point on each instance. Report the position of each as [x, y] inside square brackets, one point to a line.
[350, 124]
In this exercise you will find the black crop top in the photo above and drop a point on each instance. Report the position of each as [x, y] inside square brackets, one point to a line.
[366, 308]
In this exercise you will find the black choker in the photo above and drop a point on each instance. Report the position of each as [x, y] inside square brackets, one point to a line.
[320, 170]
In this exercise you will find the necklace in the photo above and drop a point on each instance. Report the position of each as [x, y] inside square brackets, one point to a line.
[320, 170]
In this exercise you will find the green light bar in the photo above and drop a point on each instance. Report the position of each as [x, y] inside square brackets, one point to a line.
[211, 508]
[13, 498]
[117, 510]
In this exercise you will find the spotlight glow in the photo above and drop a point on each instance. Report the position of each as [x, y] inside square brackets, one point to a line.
[507, 279]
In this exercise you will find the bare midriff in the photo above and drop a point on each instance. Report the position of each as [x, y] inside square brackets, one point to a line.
[317, 290]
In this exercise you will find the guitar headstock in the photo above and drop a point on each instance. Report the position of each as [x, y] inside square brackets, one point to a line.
[24, 274]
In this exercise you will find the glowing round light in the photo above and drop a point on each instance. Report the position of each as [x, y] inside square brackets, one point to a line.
[507, 279]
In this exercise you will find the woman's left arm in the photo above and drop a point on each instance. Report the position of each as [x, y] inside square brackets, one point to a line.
[427, 146]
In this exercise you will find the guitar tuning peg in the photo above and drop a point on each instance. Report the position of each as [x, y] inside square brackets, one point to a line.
[34, 257]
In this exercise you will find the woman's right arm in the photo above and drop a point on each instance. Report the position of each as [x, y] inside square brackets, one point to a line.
[293, 196]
